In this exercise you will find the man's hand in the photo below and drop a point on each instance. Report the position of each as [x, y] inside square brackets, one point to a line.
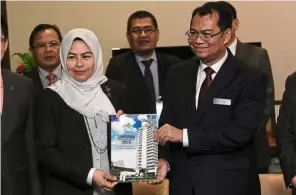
[168, 133]
[104, 180]
[119, 113]
[161, 172]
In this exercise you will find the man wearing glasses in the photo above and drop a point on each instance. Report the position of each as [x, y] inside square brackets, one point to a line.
[142, 69]
[44, 42]
[18, 165]
[212, 108]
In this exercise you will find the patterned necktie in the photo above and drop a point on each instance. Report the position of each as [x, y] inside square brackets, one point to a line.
[51, 78]
[206, 84]
[148, 77]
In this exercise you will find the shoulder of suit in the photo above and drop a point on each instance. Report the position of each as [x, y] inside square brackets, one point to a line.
[292, 77]
[170, 59]
[254, 48]
[121, 56]
[17, 77]
[30, 73]
[248, 72]
[184, 65]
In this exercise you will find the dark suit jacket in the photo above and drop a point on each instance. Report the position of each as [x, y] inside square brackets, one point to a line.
[18, 171]
[125, 69]
[219, 159]
[286, 131]
[34, 75]
[63, 145]
[258, 57]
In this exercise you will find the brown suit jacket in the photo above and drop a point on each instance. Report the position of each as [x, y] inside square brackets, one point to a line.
[258, 57]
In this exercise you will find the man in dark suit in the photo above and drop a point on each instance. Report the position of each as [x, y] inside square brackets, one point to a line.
[285, 133]
[212, 108]
[44, 42]
[142, 69]
[18, 165]
[257, 57]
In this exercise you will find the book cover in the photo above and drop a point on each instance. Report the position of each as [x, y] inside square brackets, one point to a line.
[134, 154]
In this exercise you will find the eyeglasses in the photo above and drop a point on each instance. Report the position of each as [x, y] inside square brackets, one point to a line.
[147, 30]
[192, 35]
[52, 45]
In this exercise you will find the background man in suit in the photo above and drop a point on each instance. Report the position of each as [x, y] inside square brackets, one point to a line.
[212, 108]
[285, 133]
[258, 57]
[142, 69]
[18, 165]
[44, 42]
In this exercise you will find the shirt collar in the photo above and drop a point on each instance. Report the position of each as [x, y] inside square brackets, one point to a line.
[216, 67]
[57, 72]
[232, 46]
[140, 58]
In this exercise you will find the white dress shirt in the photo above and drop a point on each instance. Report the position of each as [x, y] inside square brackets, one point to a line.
[232, 46]
[201, 75]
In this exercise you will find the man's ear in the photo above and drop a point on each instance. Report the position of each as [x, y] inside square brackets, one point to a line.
[236, 24]
[227, 36]
[128, 37]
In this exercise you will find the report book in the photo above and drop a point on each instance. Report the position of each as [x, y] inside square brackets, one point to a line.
[134, 154]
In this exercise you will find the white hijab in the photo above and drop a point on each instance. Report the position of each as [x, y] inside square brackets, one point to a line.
[86, 97]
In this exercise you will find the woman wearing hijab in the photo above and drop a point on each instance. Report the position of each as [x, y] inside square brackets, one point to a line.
[72, 119]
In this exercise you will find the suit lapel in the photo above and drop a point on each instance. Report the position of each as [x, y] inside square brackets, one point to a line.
[36, 79]
[162, 69]
[225, 75]
[9, 101]
[190, 85]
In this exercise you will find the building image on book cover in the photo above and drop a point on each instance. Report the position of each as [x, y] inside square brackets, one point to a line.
[134, 154]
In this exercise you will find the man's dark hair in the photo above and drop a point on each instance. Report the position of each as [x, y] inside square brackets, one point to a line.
[225, 16]
[43, 27]
[230, 7]
[139, 15]
[4, 27]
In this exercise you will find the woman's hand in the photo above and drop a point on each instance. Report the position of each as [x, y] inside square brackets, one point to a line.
[104, 180]
[119, 113]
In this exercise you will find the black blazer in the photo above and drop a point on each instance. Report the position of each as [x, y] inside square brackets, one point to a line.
[125, 69]
[63, 145]
[219, 159]
[34, 75]
[18, 171]
[286, 131]
[258, 58]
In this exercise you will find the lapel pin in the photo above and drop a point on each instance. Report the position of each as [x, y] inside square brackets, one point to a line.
[107, 88]
[11, 88]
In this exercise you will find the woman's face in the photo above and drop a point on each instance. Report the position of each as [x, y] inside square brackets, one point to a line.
[80, 61]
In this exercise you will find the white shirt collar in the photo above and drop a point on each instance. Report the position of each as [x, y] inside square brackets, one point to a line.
[232, 46]
[57, 72]
[216, 67]
[140, 58]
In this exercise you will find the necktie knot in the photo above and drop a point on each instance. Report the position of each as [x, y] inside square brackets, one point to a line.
[147, 63]
[51, 77]
[209, 71]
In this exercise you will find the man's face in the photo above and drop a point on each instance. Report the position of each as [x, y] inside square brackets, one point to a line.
[143, 36]
[4, 45]
[205, 37]
[46, 49]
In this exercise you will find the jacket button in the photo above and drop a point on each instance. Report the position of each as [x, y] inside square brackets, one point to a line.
[87, 149]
